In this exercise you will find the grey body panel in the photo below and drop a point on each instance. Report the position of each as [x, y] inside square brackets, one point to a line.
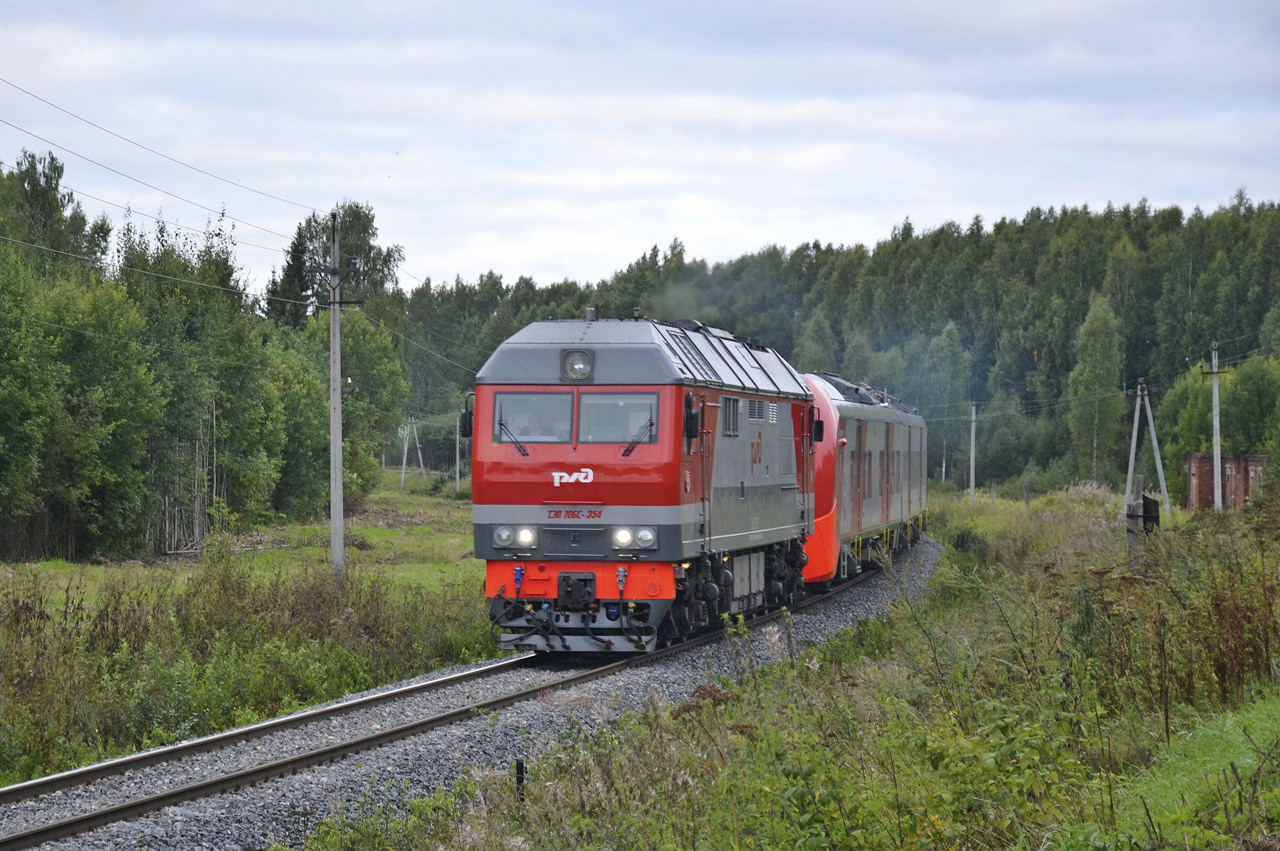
[748, 582]
[755, 488]
[642, 351]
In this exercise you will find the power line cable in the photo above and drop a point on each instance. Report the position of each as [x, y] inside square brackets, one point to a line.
[1017, 407]
[391, 331]
[461, 345]
[151, 273]
[154, 151]
[1151, 379]
[219, 213]
[413, 343]
[132, 211]
[1241, 337]
[1020, 408]
[185, 200]
[88, 333]
[443, 338]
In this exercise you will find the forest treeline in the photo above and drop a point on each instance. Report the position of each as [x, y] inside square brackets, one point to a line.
[140, 382]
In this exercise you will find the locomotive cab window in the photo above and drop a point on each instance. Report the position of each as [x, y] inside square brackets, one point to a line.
[618, 418]
[532, 417]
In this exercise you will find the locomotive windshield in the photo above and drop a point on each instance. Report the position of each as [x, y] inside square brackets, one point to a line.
[532, 417]
[618, 418]
[629, 418]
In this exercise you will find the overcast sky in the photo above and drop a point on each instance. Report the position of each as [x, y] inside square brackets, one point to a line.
[563, 139]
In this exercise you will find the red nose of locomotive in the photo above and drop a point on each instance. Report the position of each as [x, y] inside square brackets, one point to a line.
[576, 512]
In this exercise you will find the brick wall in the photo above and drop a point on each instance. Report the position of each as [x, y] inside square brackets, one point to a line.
[1241, 479]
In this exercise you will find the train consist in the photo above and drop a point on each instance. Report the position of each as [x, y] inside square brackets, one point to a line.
[635, 480]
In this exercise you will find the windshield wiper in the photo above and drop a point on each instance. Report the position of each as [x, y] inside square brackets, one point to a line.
[502, 424]
[643, 433]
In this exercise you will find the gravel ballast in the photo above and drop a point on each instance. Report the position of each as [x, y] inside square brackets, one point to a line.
[287, 810]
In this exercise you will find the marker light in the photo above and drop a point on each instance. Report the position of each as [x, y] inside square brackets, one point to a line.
[646, 537]
[622, 537]
[503, 536]
[526, 537]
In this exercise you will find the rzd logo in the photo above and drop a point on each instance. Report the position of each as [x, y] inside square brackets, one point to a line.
[585, 475]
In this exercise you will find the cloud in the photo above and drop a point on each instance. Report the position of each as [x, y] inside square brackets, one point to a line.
[563, 139]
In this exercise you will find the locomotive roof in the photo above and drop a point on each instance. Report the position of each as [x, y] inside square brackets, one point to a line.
[642, 351]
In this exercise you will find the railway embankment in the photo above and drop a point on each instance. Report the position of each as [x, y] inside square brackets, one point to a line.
[1041, 693]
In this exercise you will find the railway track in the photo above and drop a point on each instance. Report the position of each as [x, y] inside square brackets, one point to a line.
[31, 792]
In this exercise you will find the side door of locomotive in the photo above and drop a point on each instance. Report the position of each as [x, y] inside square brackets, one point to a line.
[695, 472]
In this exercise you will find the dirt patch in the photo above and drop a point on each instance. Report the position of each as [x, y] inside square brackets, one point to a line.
[259, 540]
[389, 518]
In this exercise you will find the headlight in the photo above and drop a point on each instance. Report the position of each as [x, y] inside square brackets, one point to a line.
[646, 537]
[576, 365]
[622, 538]
[526, 536]
[503, 536]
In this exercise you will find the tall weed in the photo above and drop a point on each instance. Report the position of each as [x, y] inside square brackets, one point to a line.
[153, 657]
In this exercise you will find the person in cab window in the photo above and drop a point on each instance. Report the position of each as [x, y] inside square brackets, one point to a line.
[533, 428]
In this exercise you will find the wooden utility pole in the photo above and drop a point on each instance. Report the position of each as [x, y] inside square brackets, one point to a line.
[1217, 437]
[973, 447]
[337, 555]
[411, 427]
[1155, 447]
[404, 455]
[422, 467]
[1142, 401]
[1133, 450]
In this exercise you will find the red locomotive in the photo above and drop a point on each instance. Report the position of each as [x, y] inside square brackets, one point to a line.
[634, 480]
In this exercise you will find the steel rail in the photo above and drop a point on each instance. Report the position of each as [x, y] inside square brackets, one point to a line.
[76, 825]
[80, 776]
[235, 781]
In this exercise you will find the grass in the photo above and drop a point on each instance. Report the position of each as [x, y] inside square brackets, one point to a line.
[1196, 760]
[105, 659]
[421, 534]
[1044, 695]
